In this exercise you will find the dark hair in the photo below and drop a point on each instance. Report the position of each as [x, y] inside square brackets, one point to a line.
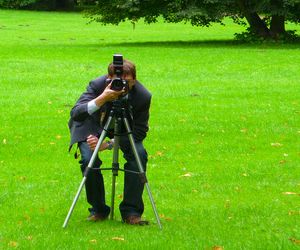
[128, 69]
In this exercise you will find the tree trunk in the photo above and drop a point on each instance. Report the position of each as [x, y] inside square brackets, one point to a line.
[64, 4]
[277, 26]
[277, 21]
[257, 25]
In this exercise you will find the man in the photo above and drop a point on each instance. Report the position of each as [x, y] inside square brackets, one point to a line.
[88, 118]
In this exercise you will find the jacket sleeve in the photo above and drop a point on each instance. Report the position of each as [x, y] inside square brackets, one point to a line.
[80, 111]
[140, 122]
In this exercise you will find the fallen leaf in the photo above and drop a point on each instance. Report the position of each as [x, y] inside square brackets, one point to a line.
[276, 144]
[186, 175]
[227, 204]
[118, 238]
[94, 241]
[158, 153]
[4, 141]
[294, 212]
[13, 244]
[288, 193]
[217, 248]
[29, 237]
[58, 137]
[244, 130]
[162, 216]
[295, 241]
[26, 217]
[22, 178]
[283, 162]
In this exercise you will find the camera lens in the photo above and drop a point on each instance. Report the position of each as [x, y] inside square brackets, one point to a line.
[117, 84]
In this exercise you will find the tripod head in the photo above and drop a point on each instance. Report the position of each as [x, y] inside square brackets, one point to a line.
[118, 110]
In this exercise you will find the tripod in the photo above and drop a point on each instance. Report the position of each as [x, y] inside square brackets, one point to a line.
[118, 114]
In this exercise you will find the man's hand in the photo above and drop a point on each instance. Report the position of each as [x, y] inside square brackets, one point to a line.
[111, 95]
[92, 142]
[108, 95]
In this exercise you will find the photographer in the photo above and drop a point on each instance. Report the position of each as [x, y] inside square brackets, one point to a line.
[88, 118]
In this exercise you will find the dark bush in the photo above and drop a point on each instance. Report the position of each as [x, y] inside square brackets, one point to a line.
[39, 4]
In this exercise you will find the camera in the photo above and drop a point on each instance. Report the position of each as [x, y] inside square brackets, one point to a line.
[118, 83]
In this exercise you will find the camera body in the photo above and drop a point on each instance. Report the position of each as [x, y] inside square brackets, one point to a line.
[118, 83]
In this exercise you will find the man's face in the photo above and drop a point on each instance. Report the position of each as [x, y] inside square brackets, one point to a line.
[130, 80]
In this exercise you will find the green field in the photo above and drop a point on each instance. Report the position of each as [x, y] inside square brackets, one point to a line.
[223, 142]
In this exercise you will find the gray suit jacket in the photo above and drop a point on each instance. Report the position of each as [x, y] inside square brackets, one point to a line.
[81, 124]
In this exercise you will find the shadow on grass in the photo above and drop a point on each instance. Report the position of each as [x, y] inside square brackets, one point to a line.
[204, 44]
[224, 44]
[180, 44]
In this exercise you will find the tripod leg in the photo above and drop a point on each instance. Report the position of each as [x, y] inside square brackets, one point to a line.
[141, 170]
[113, 192]
[101, 139]
[115, 168]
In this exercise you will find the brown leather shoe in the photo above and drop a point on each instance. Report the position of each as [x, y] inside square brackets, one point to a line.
[135, 220]
[96, 217]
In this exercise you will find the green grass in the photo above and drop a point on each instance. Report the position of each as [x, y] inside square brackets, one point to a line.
[223, 142]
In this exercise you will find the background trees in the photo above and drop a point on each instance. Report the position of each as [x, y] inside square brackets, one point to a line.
[266, 18]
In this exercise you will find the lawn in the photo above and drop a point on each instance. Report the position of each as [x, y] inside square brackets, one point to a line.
[223, 145]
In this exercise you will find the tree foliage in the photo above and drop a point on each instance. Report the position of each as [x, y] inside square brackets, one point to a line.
[15, 4]
[266, 18]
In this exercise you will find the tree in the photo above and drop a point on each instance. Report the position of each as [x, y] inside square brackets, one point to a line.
[266, 18]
